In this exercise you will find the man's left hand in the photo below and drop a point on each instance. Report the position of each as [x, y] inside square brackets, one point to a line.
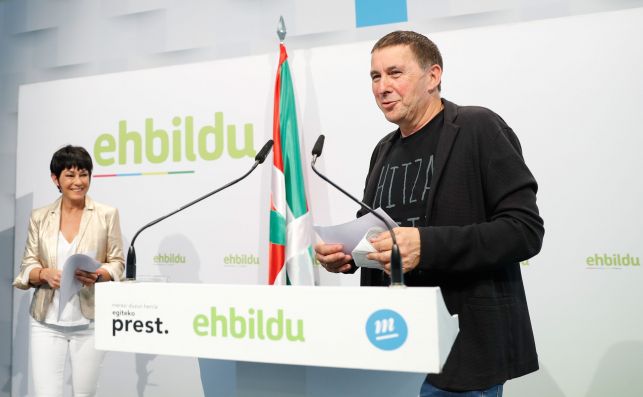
[408, 240]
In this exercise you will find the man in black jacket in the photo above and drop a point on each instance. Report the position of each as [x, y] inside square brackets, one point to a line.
[455, 181]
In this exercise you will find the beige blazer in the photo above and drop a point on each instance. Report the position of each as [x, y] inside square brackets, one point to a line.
[99, 232]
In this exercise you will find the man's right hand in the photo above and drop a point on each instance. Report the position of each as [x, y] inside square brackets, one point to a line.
[332, 258]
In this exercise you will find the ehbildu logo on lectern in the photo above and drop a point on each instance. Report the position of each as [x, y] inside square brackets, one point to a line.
[254, 325]
[386, 329]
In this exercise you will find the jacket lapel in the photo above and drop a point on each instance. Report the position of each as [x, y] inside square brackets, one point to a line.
[443, 151]
[84, 220]
[52, 229]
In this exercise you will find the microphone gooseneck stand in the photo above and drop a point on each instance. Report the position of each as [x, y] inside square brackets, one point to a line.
[130, 267]
[397, 274]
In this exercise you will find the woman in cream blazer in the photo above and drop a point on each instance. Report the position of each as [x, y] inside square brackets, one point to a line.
[74, 223]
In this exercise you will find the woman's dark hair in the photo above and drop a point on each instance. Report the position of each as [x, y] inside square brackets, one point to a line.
[70, 157]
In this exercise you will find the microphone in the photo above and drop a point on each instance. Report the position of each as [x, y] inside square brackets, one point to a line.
[263, 153]
[397, 275]
[130, 267]
[317, 149]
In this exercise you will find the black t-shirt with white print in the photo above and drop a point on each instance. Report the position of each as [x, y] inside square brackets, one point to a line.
[405, 180]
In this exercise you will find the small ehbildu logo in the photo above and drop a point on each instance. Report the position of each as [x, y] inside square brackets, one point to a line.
[613, 261]
[386, 329]
[169, 259]
[241, 259]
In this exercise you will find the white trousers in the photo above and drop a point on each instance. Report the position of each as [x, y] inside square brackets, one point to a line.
[49, 346]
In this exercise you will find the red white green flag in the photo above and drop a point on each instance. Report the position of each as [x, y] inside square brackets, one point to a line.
[291, 234]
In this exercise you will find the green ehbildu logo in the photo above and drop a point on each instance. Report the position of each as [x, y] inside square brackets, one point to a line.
[168, 259]
[180, 144]
[255, 325]
[241, 259]
[612, 260]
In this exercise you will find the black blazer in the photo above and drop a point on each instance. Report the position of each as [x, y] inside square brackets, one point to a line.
[482, 221]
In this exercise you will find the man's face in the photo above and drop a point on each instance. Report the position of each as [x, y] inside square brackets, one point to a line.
[400, 86]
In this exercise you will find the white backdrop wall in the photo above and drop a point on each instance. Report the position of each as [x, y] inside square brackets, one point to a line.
[569, 87]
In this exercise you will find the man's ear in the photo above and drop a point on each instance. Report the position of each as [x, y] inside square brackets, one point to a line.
[435, 77]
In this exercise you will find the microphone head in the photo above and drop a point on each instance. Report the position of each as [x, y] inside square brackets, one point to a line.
[263, 153]
[319, 145]
[130, 267]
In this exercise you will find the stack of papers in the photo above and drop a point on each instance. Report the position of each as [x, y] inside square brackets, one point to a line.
[69, 285]
[354, 236]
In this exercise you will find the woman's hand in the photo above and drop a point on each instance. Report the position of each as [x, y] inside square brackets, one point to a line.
[51, 277]
[90, 278]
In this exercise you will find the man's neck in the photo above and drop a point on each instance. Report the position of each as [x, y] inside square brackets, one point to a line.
[432, 110]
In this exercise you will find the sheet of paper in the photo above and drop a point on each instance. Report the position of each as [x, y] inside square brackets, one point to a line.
[351, 233]
[68, 283]
[364, 247]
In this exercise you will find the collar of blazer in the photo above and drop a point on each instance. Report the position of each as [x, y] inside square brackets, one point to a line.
[52, 226]
[447, 139]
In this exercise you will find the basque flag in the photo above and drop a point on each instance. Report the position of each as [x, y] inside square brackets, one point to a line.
[291, 234]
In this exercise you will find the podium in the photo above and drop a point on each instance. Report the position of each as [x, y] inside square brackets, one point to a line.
[284, 341]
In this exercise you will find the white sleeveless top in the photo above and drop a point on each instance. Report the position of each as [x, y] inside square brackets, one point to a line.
[71, 314]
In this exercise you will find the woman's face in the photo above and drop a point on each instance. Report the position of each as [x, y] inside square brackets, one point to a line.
[73, 183]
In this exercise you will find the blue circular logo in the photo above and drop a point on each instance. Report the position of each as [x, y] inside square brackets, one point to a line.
[386, 329]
